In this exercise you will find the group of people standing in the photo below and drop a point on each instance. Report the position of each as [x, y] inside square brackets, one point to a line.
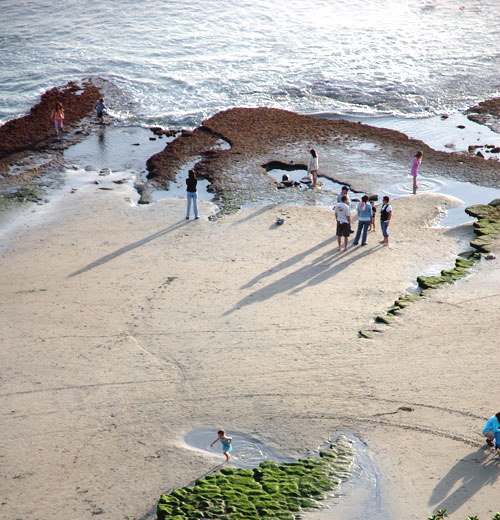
[366, 211]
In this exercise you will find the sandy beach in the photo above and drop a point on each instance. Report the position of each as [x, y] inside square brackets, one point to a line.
[125, 327]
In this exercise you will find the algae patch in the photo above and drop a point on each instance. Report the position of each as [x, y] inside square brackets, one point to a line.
[271, 490]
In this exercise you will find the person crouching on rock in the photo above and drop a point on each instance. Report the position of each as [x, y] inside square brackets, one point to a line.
[57, 117]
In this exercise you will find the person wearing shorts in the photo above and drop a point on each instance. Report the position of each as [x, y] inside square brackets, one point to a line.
[491, 428]
[343, 217]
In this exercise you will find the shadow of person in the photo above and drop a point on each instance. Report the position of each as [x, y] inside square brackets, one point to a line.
[471, 473]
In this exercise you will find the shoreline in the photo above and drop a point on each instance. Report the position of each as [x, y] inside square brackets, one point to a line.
[125, 326]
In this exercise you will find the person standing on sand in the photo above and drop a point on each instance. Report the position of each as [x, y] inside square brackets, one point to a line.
[490, 428]
[191, 193]
[417, 160]
[57, 116]
[343, 192]
[313, 166]
[385, 218]
[374, 212]
[343, 217]
[226, 443]
[364, 220]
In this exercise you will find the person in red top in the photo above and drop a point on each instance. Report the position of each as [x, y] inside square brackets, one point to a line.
[57, 117]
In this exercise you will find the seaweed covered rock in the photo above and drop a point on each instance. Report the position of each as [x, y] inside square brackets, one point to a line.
[269, 491]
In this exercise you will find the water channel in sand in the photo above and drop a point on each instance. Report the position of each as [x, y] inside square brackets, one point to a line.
[360, 497]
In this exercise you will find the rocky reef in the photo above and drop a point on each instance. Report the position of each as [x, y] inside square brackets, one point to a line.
[271, 490]
[31, 131]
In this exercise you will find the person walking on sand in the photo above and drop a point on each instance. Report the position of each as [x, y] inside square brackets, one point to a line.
[385, 218]
[364, 219]
[191, 193]
[57, 116]
[374, 213]
[491, 427]
[226, 443]
[417, 160]
[100, 109]
[343, 217]
[313, 167]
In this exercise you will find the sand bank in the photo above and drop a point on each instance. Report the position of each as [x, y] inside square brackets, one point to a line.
[124, 327]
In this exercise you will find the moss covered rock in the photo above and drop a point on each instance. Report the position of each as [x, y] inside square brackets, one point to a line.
[271, 490]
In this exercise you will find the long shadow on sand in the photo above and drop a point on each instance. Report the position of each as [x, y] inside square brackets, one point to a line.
[127, 248]
[473, 472]
[329, 264]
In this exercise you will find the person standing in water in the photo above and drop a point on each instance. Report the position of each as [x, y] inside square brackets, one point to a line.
[191, 193]
[226, 443]
[100, 109]
[417, 161]
[57, 116]
[385, 218]
[313, 166]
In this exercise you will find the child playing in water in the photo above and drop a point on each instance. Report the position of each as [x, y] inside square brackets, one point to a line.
[226, 443]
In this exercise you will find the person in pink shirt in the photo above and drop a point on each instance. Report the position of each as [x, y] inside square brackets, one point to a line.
[417, 160]
[57, 116]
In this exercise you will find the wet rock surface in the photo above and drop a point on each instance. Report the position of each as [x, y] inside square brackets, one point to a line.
[259, 136]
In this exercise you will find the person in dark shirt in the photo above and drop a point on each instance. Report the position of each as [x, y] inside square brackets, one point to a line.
[192, 195]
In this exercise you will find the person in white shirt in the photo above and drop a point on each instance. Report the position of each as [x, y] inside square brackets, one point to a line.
[343, 216]
[313, 166]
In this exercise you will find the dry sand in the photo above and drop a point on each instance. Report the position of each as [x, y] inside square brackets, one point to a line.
[124, 327]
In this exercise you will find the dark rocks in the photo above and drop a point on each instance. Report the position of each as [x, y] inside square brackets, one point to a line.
[31, 131]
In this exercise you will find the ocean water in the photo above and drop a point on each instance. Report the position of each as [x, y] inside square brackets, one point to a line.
[175, 63]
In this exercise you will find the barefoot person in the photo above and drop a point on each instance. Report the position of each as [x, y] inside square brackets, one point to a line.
[226, 443]
[313, 166]
[364, 220]
[343, 216]
[417, 160]
[491, 427]
[374, 213]
[100, 109]
[57, 116]
[385, 218]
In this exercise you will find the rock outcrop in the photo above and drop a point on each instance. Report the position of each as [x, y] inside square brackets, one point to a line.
[31, 131]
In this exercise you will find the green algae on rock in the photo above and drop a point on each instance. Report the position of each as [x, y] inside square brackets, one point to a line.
[271, 490]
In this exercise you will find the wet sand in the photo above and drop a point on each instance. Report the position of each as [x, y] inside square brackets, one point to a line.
[125, 327]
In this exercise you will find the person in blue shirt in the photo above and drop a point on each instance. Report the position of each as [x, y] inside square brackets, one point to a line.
[364, 220]
[491, 427]
[226, 443]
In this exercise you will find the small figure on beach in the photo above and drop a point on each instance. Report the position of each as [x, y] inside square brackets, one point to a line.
[343, 192]
[192, 194]
[374, 213]
[343, 217]
[385, 218]
[57, 116]
[364, 220]
[226, 443]
[491, 427]
[417, 161]
[313, 167]
[100, 109]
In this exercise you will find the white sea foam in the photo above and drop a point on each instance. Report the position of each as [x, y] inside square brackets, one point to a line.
[179, 62]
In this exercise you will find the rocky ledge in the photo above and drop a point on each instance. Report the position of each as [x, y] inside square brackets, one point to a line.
[269, 491]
